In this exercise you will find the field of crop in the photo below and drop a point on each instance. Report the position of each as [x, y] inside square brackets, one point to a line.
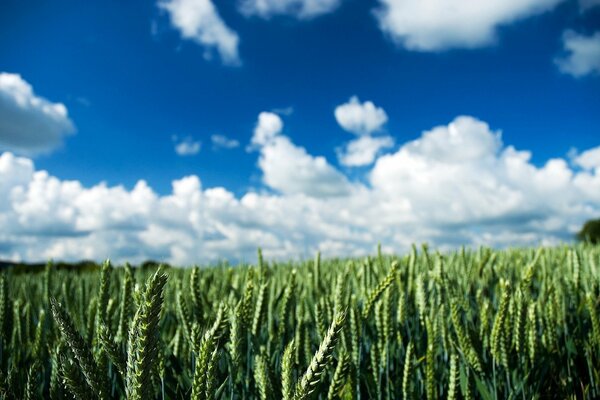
[487, 324]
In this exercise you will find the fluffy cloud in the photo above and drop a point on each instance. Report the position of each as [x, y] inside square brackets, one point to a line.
[187, 146]
[199, 20]
[589, 159]
[583, 54]
[360, 118]
[301, 9]
[222, 141]
[29, 124]
[269, 126]
[454, 184]
[433, 25]
[363, 150]
[288, 168]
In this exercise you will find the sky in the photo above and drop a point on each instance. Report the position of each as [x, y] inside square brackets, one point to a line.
[193, 131]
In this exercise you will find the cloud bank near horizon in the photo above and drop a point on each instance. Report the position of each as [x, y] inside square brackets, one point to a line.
[456, 184]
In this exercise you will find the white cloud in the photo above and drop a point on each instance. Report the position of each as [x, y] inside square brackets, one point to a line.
[289, 168]
[222, 141]
[434, 25]
[269, 126]
[187, 146]
[30, 124]
[456, 184]
[583, 54]
[199, 20]
[301, 9]
[360, 118]
[363, 150]
[589, 159]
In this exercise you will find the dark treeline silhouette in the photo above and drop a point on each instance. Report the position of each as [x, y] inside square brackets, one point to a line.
[85, 265]
[590, 232]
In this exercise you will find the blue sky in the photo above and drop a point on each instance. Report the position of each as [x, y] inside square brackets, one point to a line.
[136, 82]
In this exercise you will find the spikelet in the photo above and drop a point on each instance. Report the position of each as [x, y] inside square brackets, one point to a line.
[247, 304]
[464, 340]
[498, 341]
[407, 372]
[355, 333]
[453, 377]
[591, 306]
[576, 265]
[260, 309]
[211, 374]
[143, 339]
[340, 376]
[103, 291]
[320, 319]
[379, 289]
[184, 316]
[33, 381]
[125, 307]
[287, 372]
[94, 377]
[261, 377]
[530, 271]
[421, 298]
[430, 360]
[72, 380]
[38, 345]
[312, 376]
[114, 353]
[204, 347]
[55, 389]
[531, 332]
[518, 322]
[286, 305]
[236, 339]
[339, 294]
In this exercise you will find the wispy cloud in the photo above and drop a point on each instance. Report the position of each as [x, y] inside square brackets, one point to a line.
[582, 54]
[223, 142]
[300, 9]
[186, 146]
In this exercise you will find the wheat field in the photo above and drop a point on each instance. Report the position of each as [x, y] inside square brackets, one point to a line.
[489, 324]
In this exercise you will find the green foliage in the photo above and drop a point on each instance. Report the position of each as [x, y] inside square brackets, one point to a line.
[469, 324]
[590, 232]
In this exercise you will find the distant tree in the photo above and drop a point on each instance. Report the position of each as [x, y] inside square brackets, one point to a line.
[590, 232]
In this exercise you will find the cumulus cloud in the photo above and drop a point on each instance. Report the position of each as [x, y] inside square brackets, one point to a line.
[589, 159]
[301, 9]
[288, 168]
[30, 124]
[187, 146]
[582, 54]
[434, 25]
[223, 142]
[363, 150]
[453, 185]
[268, 127]
[360, 118]
[199, 20]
